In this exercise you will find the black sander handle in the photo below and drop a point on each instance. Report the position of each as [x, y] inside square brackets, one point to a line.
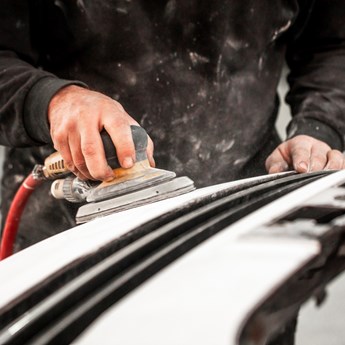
[139, 136]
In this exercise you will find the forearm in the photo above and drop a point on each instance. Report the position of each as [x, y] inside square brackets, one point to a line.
[25, 92]
[317, 99]
[317, 78]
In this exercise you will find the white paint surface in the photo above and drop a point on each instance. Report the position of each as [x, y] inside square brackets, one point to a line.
[244, 269]
[34, 264]
[205, 296]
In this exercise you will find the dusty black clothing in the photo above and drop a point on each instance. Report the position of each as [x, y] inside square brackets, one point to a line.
[200, 76]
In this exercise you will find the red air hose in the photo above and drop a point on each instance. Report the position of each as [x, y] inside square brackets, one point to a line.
[14, 214]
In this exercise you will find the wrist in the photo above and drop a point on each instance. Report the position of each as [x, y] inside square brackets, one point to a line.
[61, 97]
[317, 130]
[36, 107]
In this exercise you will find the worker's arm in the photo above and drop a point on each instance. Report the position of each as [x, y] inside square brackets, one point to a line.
[38, 108]
[20, 125]
[22, 121]
[317, 94]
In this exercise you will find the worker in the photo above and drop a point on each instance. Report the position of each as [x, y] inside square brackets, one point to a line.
[199, 76]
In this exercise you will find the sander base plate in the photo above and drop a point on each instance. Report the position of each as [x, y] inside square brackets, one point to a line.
[162, 191]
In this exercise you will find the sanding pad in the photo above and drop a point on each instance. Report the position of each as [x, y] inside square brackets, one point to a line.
[141, 197]
[129, 183]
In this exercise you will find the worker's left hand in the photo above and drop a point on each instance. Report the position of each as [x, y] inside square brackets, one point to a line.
[304, 154]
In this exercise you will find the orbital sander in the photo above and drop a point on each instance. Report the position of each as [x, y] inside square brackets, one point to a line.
[130, 188]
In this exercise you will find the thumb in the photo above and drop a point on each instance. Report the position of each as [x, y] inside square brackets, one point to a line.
[276, 163]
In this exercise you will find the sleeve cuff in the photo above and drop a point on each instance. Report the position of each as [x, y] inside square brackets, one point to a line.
[36, 107]
[316, 129]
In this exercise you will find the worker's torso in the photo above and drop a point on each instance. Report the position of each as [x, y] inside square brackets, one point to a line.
[199, 75]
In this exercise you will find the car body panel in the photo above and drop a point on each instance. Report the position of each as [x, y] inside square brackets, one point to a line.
[208, 294]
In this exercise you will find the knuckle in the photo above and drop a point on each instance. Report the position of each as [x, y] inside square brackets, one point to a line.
[80, 165]
[120, 107]
[114, 105]
[337, 154]
[318, 158]
[57, 147]
[270, 158]
[299, 151]
[117, 117]
[70, 166]
[281, 146]
[117, 122]
[268, 161]
[58, 137]
[272, 155]
[89, 149]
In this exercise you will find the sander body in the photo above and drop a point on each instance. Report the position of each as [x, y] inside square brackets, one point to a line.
[130, 188]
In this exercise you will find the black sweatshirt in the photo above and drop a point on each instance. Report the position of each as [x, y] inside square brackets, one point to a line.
[200, 76]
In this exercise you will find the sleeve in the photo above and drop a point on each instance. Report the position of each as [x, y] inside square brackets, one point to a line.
[25, 89]
[317, 79]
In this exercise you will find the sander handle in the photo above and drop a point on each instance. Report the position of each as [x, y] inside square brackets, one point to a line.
[54, 166]
[139, 136]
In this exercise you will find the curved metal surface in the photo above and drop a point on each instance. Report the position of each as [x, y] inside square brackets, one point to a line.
[152, 249]
[224, 279]
[24, 287]
[72, 308]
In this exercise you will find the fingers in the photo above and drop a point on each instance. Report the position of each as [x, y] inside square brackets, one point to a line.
[63, 148]
[67, 151]
[318, 157]
[92, 157]
[277, 162]
[300, 155]
[78, 162]
[308, 154]
[335, 160]
[121, 136]
[304, 154]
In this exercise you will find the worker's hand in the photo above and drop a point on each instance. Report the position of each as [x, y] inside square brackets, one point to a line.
[77, 116]
[304, 154]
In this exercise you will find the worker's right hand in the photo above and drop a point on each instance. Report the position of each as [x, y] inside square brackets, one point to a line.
[77, 116]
